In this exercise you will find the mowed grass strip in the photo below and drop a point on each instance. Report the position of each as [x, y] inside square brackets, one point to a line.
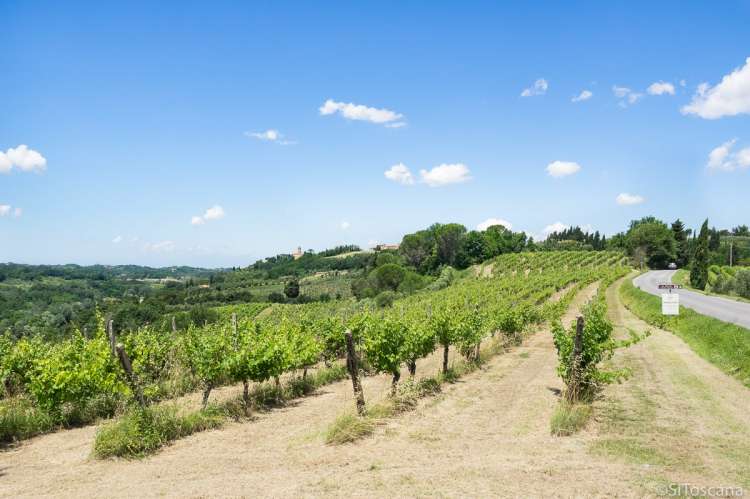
[725, 345]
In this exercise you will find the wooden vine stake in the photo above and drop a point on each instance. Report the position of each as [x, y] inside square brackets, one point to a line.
[174, 325]
[128, 368]
[574, 387]
[111, 336]
[352, 367]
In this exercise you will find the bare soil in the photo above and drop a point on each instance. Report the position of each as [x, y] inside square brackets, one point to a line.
[676, 419]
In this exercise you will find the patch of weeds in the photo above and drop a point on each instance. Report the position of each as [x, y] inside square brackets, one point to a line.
[569, 418]
[143, 430]
[20, 418]
[349, 428]
[524, 355]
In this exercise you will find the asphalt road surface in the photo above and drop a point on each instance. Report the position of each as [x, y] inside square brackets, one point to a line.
[722, 308]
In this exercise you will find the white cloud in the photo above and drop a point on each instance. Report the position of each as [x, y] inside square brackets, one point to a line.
[729, 97]
[359, 112]
[5, 164]
[494, 221]
[584, 95]
[562, 168]
[271, 135]
[446, 174]
[625, 199]
[216, 212]
[117, 239]
[23, 158]
[8, 210]
[398, 124]
[345, 225]
[400, 173]
[555, 227]
[723, 159]
[683, 83]
[660, 88]
[626, 95]
[538, 88]
[160, 247]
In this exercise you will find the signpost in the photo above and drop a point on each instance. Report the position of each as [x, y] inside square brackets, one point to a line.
[670, 302]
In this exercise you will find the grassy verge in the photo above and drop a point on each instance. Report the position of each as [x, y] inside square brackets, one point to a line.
[349, 427]
[143, 431]
[725, 345]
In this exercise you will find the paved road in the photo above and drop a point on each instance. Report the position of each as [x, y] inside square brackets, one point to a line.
[722, 308]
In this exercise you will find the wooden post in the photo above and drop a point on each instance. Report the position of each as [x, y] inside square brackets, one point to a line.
[111, 336]
[174, 325]
[351, 365]
[126, 366]
[575, 362]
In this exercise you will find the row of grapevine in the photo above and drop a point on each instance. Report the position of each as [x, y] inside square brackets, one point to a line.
[78, 380]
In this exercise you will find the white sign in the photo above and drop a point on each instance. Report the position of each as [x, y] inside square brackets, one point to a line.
[670, 304]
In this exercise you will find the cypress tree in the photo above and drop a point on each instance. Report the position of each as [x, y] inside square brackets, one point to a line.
[680, 237]
[699, 270]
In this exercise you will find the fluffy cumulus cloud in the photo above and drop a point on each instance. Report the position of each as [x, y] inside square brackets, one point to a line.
[538, 88]
[723, 158]
[660, 88]
[5, 164]
[625, 199]
[439, 176]
[584, 95]
[345, 225]
[399, 173]
[446, 174]
[359, 112]
[494, 221]
[562, 168]
[216, 212]
[626, 95]
[22, 158]
[729, 97]
[555, 227]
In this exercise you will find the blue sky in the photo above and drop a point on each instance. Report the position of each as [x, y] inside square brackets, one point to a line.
[138, 122]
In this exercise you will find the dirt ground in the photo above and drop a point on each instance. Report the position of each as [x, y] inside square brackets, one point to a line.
[676, 419]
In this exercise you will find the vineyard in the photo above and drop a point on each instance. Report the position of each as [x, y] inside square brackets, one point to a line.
[77, 381]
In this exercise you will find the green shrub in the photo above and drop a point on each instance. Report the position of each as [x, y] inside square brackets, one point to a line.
[385, 299]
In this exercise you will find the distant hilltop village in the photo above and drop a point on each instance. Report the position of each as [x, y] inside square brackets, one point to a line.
[379, 247]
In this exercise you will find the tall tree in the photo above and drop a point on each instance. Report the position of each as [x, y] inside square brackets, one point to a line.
[699, 270]
[681, 243]
[651, 238]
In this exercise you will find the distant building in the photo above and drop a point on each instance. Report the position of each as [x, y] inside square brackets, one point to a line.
[383, 247]
[297, 253]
